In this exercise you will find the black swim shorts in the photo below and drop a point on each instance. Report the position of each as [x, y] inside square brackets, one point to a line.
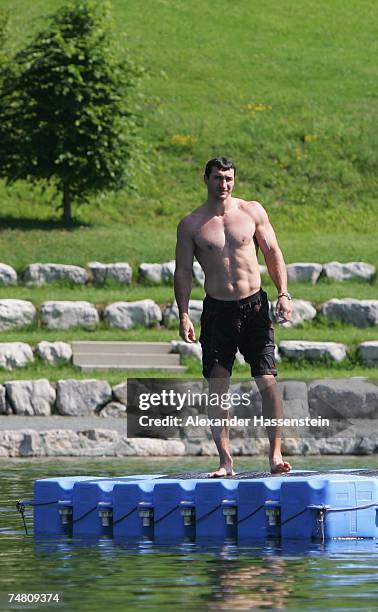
[241, 324]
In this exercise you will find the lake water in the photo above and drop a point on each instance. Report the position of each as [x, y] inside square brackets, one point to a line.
[101, 575]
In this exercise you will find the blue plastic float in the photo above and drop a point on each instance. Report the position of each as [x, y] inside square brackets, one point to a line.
[298, 505]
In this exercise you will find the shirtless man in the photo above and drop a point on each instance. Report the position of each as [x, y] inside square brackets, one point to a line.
[224, 234]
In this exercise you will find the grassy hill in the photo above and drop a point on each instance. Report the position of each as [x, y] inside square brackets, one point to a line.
[287, 89]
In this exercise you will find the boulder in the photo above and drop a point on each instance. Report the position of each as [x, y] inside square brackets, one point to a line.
[89, 443]
[198, 274]
[15, 314]
[30, 397]
[15, 355]
[186, 349]
[125, 315]
[295, 405]
[10, 442]
[368, 445]
[343, 398]
[157, 273]
[54, 353]
[249, 403]
[171, 313]
[306, 349]
[360, 313]
[8, 276]
[40, 274]
[150, 447]
[119, 272]
[331, 446]
[369, 353]
[295, 398]
[151, 272]
[203, 448]
[263, 269]
[120, 393]
[194, 349]
[277, 356]
[113, 410]
[347, 271]
[61, 443]
[304, 272]
[292, 446]
[82, 397]
[67, 314]
[168, 271]
[4, 407]
[302, 311]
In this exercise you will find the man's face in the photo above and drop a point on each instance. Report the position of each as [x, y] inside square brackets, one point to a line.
[220, 183]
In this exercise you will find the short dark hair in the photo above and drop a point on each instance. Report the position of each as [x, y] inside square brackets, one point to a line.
[222, 163]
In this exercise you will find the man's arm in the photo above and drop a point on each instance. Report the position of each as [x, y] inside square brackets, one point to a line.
[267, 241]
[183, 279]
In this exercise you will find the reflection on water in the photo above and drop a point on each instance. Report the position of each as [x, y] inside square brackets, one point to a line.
[97, 574]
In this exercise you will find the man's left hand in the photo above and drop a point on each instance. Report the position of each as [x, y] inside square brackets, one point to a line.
[283, 309]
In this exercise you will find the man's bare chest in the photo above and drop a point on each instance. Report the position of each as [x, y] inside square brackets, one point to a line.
[233, 231]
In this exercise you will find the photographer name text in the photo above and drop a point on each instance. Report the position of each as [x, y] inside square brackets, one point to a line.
[255, 421]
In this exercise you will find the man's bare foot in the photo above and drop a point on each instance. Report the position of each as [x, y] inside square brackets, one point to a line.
[279, 466]
[222, 471]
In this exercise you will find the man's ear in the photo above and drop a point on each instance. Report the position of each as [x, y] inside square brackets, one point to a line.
[205, 179]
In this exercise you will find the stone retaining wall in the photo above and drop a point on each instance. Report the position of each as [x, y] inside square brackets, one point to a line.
[350, 398]
[351, 403]
[38, 274]
[101, 442]
[66, 314]
[14, 355]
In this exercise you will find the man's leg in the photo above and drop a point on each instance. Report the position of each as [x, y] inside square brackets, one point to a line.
[272, 409]
[219, 382]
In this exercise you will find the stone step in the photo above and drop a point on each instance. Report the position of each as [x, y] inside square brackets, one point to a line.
[121, 347]
[102, 355]
[125, 359]
[166, 368]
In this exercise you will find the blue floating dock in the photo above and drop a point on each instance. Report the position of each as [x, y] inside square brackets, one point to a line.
[248, 506]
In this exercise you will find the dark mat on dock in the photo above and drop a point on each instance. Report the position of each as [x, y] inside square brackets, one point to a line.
[255, 475]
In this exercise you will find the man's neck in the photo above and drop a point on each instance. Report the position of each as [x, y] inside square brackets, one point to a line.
[220, 207]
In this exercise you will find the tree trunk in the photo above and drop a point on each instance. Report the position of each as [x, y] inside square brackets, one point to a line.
[67, 213]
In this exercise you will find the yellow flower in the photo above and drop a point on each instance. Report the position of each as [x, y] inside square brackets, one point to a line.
[183, 140]
[254, 108]
[310, 138]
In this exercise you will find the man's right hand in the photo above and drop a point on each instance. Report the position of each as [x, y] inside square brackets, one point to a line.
[186, 331]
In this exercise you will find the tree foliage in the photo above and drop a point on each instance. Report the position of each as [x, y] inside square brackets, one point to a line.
[65, 107]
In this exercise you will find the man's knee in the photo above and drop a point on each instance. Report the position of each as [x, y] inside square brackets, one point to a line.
[219, 371]
[219, 379]
[265, 381]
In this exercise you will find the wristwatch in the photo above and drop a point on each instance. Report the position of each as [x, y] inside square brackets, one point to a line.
[284, 294]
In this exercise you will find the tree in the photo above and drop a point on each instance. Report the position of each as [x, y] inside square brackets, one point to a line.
[65, 113]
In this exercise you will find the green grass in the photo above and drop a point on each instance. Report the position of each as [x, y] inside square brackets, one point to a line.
[308, 156]
[287, 370]
[34, 334]
[318, 294]
[137, 244]
[317, 331]
[96, 295]
[338, 332]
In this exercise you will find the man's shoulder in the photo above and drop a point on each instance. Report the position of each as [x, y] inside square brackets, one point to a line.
[192, 219]
[252, 207]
